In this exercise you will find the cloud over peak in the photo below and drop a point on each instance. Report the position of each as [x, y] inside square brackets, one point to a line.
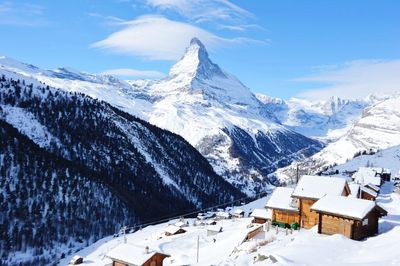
[156, 37]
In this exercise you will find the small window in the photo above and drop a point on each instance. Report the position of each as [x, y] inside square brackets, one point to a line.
[365, 221]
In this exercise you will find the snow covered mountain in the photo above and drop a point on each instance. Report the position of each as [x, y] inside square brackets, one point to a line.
[210, 108]
[82, 168]
[326, 120]
[378, 129]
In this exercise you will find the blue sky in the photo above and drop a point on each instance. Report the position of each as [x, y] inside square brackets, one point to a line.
[312, 49]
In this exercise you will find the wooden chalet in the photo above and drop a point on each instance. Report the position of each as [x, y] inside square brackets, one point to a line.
[284, 208]
[366, 175]
[368, 194]
[309, 189]
[386, 175]
[221, 215]
[172, 229]
[261, 216]
[76, 260]
[354, 190]
[213, 230]
[238, 213]
[373, 187]
[351, 217]
[131, 255]
[211, 222]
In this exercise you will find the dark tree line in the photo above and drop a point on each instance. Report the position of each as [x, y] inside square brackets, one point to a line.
[97, 163]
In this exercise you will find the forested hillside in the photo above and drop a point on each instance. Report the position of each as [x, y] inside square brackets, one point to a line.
[95, 168]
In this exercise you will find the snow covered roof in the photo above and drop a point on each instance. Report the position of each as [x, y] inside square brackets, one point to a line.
[366, 175]
[281, 199]
[369, 191]
[262, 213]
[214, 228]
[344, 206]
[223, 214]
[238, 211]
[316, 187]
[372, 186]
[172, 229]
[131, 254]
[354, 189]
[211, 221]
[386, 171]
[180, 224]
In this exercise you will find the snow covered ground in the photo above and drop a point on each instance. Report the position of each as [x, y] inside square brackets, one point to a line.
[304, 247]
[388, 158]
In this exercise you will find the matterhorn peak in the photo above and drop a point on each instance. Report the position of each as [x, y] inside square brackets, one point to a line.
[195, 63]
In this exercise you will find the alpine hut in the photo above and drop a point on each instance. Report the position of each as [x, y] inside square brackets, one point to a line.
[351, 217]
[130, 255]
[309, 189]
[285, 209]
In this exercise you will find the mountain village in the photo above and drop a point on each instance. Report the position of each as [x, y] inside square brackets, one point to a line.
[152, 154]
[355, 205]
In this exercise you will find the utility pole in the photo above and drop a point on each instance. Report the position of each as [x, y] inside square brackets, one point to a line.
[198, 243]
[124, 232]
[297, 173]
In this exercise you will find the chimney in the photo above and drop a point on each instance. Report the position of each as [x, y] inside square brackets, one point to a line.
[146, 250]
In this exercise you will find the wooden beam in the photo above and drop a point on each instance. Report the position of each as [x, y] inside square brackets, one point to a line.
[319, 223]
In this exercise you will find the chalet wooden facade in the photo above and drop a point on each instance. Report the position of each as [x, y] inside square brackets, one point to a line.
[174, 230]
[310, 189]
[351, 217]
[130, 255]
[261, 216]
[284, 208]
[367, 193]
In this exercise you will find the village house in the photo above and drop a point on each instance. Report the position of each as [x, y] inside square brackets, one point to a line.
[172, 229]
[373, 187]
[238, 213]
[213, 230]
[366, 175]
[386, 175]
[309, 189]
[181, 224]
[211, 222]
[76, 260]
[221, 215]
[351, 217]
[285, 209]
[261, 216]
[130, 255]
[367, 193]
[354, 190]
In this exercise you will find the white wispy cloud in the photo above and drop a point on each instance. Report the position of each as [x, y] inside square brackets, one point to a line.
[108, 19]
[22, 14]
[134, 73]
[155, 37]
[355, 79]
[203, 10]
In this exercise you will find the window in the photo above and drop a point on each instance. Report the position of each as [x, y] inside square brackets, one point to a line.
[365, 221]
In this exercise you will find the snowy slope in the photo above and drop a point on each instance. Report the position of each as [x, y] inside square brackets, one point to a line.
[388, 159]
[304, 247]
[208, 107]
[66, 158]
[378, 129]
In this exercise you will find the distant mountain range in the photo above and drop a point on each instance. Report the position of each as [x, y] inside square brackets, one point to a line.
[378, 128]
[210, 108]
